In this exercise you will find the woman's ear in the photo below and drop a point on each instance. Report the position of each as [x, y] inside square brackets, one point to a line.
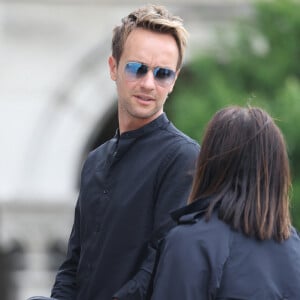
[112, 68]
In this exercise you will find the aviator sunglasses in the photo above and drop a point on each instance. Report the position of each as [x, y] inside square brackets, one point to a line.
[136, 70]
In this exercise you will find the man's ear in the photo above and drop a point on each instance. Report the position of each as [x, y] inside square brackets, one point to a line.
[112, 68]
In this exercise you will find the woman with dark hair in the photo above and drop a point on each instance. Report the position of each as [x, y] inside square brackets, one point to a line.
[235, 239]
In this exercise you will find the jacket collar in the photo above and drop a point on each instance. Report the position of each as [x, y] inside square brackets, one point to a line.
[191, 212]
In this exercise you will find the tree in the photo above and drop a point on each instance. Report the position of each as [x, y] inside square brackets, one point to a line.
[260, 67]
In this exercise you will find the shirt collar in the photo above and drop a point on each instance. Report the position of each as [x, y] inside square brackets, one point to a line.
[160, 121]
[191, 212]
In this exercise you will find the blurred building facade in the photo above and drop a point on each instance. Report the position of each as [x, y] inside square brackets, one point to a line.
[57, 102]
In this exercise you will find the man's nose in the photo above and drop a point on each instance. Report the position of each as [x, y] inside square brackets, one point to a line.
[148, 81]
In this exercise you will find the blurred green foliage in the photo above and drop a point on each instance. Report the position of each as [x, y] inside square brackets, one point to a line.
[256, 63]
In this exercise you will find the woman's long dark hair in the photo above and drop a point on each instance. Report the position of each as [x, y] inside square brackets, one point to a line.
[243, 165]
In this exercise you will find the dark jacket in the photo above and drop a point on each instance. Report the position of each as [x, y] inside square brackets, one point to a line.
[208, 260]
[128, 187]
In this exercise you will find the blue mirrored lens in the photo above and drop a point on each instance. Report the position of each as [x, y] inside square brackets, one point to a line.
[163, 73]
[136, 69]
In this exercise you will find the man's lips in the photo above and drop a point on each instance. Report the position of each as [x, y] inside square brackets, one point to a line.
[145, 98]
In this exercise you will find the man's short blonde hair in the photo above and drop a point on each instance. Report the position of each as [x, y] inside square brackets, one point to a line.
[151, 17]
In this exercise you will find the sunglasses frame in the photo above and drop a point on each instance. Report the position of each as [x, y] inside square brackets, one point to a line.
[133, 67]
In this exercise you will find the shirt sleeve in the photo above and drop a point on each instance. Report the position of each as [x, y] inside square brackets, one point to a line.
[65, 285]
[65, 282]
[173, 184]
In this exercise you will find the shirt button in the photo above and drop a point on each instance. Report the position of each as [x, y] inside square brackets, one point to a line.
[105, 192]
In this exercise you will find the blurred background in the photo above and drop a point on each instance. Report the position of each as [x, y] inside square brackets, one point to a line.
[57, 103]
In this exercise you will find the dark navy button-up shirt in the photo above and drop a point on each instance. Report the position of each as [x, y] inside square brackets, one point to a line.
[128, 187]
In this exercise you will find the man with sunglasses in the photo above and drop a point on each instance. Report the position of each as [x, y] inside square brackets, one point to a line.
[131, 183]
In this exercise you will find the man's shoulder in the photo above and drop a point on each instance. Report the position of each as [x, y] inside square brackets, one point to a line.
[175, 146]
[179, 139]
[100, 150]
